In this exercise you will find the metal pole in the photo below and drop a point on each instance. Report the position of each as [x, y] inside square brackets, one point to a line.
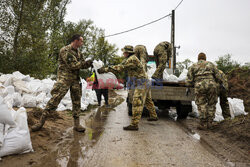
[173, 41]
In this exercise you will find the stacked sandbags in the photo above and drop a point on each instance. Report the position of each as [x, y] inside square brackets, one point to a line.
[20, 90]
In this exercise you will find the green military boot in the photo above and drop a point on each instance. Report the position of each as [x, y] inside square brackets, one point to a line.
[210, 124]
[40, 124]
[130, 127]
[152, 119]
[77, 126]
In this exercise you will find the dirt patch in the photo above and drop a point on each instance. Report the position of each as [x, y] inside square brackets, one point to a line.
[230, 139]
[239, 85]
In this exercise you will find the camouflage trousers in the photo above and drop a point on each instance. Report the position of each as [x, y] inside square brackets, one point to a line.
[223, 94]
[206, 99]
[161, 60]
[59, 90]
[141, 98]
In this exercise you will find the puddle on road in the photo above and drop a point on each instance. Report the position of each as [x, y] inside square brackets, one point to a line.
[74, 146]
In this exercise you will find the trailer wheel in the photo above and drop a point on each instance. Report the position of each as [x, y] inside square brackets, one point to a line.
[183, 110]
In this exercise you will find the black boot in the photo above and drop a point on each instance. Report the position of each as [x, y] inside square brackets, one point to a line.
[152, 119]
[130, 127]
[40, 124]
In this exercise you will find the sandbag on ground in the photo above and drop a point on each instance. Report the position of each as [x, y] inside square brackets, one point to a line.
[17, 140]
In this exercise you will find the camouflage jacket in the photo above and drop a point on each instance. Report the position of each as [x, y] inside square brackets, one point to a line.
[70, 62]
[142, 54]
[202, 70]
[163, 47]
[132, 65]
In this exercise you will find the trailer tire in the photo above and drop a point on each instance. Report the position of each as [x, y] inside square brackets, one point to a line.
[183, 110]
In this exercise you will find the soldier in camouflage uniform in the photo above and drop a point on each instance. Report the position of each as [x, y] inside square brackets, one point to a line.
[162, 53]
[70, 62]
[142, 54]
[142, 93]
[223, 94]
[203, 76]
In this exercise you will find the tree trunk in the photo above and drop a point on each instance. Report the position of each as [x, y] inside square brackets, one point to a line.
[18, 29]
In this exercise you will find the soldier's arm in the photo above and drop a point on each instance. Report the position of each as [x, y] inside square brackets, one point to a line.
[129, 64]
[86, 64]
[217, 75]
[190, 78]
[70, 60]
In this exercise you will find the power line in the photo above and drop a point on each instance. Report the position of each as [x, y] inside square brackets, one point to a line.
[144, 24]
[139, 26]
[178, 5]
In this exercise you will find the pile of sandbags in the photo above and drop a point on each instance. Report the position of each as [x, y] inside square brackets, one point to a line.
[166, 76]
[20, 90]
[14, 131]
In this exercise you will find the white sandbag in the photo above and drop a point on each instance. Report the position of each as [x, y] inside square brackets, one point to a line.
[17, 140]
[35, 86]
[183, 76]
[2, 88]
[20, 76]
[194, 112]
[17, 99]
[61, 107]
[20, 86]
[1, 134]
[47, 85]
[8, 90]
[169, 78]
[236, 106]
[8, 80]
[218, 114]
[5, 114]
[41, 97]
[106, 80]
[29, 100]
[9, 101]
[3, 78]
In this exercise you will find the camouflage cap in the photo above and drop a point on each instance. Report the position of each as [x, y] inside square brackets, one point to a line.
[128, 49]
[202, 56]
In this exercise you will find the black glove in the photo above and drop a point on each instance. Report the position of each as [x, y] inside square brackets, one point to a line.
[188, 91]
[89, 62]
[101, 70]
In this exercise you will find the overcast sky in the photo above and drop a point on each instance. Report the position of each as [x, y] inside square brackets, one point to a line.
[216, 27]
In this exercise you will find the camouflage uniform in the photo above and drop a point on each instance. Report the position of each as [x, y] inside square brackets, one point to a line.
[203, 76]
[162, 53]
[70, 62]
[223, 94]
[142, 54]
[142, 93]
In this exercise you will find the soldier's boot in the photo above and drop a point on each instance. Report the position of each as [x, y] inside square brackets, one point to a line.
[202, 125]
[210, 124]
[40, 124]
[152, 119]
[131, 127]
[77, 126]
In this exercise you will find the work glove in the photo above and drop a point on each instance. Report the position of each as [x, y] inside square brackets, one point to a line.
[188, 91]
[89, 63]
[101, 70]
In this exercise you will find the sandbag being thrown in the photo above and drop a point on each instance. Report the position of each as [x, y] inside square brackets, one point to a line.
[106, 80]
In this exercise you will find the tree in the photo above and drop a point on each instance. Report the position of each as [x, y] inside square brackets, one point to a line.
[25, 28]
[183, 65]
[226, 64]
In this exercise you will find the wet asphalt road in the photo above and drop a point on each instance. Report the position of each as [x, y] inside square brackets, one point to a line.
[105, 144]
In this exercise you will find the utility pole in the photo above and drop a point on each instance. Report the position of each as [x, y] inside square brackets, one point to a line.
[173, 41]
